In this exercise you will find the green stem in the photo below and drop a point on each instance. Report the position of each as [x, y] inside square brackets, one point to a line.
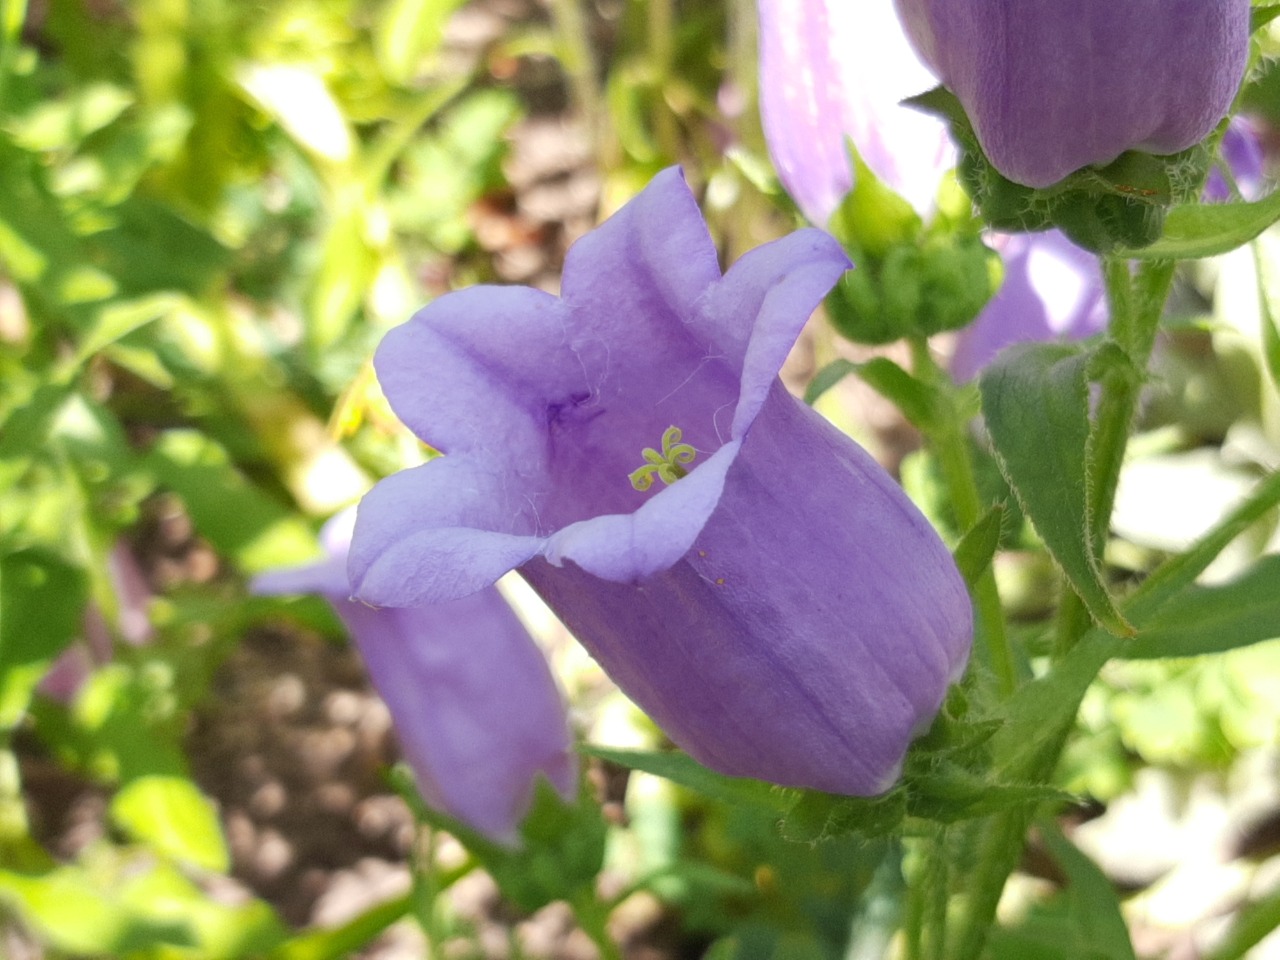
[935, 896]
[1255, 922]
[579, 62]
[1135, 303]
[13, 13]
[344, 940]
[999, 853]
[913, 919]
[593, 917]
[661, 52]
[950, 445]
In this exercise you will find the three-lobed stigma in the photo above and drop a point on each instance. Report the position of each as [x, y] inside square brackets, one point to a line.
[667, 466]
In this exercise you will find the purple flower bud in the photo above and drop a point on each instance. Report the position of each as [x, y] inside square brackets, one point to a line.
[1053, 86]
[743, 570]
[476, 710]
[831, 70]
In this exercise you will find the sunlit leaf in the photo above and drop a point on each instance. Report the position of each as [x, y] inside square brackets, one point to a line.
[174, 817]
[1209, 229]
[1214, 619]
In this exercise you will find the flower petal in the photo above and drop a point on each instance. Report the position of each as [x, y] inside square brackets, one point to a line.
[475, 370]
[778, 285]
[437, 532]
[475, 708]
[655, 250]
[627, 548]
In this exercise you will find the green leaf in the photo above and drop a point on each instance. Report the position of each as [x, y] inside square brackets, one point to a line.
[1040, 713]
[337, 943]
[949, 793]
[1036, 403]
[73, 913]
[1263, 14]
[918, 401]
[828, 377]
[407, 31]
[1265, 250]
[683, 769]
[42, 601]
[62, 124]
[974, 552]
[171, 815]
[1093, 906]
[1213, 619]
[118, 319]
[240, 520]
[1196, 230]
[557, 856]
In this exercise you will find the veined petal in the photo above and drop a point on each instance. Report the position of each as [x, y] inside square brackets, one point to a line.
[779, 285]
[474, 705]
[437, 532]
[476, 369]
[1051, 87]
[630, 547]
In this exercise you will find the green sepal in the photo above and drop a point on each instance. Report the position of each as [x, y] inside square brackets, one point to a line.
[872, 218]
[1118, 207]
[976, 549]
[918, 288]
[560, 849]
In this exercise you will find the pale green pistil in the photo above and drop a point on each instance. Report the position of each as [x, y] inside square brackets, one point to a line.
[666, 466]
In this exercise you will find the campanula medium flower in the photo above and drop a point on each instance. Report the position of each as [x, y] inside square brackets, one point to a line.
[1051, 87]
[473, 702]
[743, 570]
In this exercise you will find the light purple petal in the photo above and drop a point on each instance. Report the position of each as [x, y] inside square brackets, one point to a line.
[831, 69]
[631, 547]
[439, 532]
[1052, 289]
[1242, 152]
[1051, 87]
[474, 705]
[810, 633]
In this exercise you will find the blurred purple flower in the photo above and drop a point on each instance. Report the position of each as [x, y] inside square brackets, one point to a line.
[1241, 151]
[831, 69]
[474, 705]
[68, 673]
[781, 609]
[1052, 86]
[1052, 289]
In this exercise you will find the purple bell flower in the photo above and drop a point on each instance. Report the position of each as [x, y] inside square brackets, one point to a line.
[474, 705]
[743, 570]
[1053, 86]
